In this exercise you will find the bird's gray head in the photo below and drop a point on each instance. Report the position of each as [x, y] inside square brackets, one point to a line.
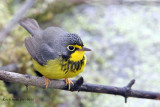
[62, 42]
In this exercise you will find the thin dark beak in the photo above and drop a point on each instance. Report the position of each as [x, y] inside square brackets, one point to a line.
[84, 49]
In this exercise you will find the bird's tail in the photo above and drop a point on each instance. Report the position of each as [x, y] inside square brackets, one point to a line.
[30, 25]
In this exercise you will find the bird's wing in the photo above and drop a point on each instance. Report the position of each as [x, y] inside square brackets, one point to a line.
[39, 51]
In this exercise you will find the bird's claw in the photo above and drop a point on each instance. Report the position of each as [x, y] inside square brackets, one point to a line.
[69, 82]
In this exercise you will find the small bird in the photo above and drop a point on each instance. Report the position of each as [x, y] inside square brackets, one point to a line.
[56, 54]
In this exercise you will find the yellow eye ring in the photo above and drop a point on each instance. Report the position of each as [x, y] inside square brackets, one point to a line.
[70, 48]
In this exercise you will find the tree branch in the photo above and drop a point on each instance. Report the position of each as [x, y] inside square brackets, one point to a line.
[79, 86]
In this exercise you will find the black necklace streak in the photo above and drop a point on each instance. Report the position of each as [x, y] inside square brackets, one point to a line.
[72, 65]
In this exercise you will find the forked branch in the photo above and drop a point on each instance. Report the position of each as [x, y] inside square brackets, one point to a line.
[79, 86]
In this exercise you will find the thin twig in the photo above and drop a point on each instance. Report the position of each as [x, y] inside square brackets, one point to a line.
[13, 67]
[26, 6]
[60, 84]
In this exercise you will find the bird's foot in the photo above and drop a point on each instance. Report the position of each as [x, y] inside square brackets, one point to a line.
[69, 82]
[47, 81]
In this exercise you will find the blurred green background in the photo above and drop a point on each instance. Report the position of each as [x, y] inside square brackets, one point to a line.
[124, 36]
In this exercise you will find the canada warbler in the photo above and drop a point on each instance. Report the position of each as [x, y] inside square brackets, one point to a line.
[56, 54]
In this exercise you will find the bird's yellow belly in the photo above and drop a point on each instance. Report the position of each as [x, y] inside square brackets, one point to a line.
[53, 69]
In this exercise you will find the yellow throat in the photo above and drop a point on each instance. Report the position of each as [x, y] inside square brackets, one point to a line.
[77, 55]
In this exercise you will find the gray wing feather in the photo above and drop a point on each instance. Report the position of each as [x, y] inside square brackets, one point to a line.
[33, 51]
[39, 52]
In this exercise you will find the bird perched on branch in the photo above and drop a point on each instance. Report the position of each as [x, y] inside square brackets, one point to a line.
[56, 54]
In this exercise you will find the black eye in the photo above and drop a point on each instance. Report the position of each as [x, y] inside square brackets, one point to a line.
[71, 48]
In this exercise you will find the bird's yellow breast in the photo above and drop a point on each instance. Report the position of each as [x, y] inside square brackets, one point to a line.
[59, 68]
